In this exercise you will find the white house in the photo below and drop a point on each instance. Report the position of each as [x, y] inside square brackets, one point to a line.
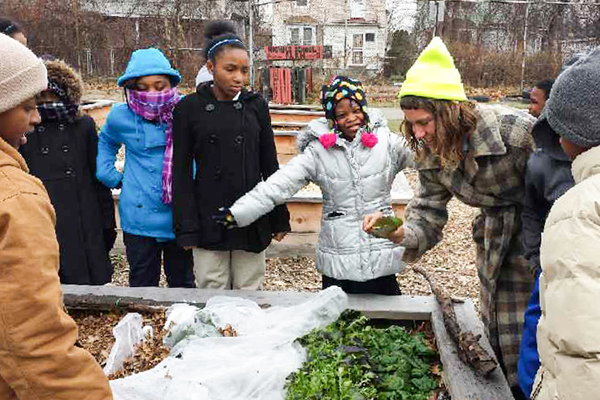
[354, 30]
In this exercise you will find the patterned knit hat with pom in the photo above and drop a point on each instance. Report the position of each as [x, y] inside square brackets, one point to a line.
[341, 88]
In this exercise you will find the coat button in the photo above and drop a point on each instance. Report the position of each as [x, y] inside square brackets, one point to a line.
[69, 171]
[61, 127]
[238, 139]
[139, 206]
[209, 107]
[45, 150]
[65, 149]
[212, 139]
[237, 105]
[41, 128]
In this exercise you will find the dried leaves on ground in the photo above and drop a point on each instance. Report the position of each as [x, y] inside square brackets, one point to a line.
[95, 335]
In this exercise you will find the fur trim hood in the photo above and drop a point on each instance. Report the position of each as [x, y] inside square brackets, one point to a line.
[67, 78]
[320, 126]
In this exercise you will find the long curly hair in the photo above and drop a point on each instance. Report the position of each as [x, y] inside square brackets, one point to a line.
[453, 121]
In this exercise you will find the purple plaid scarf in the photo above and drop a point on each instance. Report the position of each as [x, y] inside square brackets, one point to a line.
[158, 106]
[59, 111]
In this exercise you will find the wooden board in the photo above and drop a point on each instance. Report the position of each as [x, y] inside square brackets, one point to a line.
[283, 159]
[462, 382]
[292, 117]
[286, 144]
[302, 107]
[98, 110]
[305, 216]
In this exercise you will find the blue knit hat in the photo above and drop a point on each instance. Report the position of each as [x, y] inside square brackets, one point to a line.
[147, 62]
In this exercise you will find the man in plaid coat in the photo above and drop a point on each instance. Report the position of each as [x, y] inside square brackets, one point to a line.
[478, 154]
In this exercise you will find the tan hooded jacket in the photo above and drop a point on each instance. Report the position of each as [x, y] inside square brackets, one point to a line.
[38, 357]
[568, 330]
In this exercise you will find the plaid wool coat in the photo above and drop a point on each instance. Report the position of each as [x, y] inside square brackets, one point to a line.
[491, 178]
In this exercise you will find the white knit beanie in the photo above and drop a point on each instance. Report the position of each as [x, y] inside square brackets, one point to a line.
[22, 74]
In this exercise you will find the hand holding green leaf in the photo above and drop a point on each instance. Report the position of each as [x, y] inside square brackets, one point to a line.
[385, 226]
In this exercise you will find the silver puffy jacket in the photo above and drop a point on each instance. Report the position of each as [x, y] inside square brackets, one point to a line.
[355, 180]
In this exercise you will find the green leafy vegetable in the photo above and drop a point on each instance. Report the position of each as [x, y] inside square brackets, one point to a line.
[385, 226]
[350, 360]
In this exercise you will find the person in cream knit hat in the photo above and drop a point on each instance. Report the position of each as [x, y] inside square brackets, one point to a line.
[38, 356]
[477, 154]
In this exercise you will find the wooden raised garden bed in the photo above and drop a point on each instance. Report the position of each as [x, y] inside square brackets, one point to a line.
[460, 380]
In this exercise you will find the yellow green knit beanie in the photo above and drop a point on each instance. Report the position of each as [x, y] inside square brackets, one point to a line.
[434, 75]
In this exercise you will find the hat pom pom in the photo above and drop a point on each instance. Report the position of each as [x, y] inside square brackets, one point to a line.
[328, 139]
[368, 139]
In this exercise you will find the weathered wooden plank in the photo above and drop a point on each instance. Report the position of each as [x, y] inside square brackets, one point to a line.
[282, 132]
[290, 124]
[273, 106]
[293, 116]
[296, 111]
[283, 159]
[305, 216]
[98, 110]
[397, 307]
[462, 381]
[286, 144]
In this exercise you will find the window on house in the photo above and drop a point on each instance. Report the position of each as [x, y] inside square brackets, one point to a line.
[357, 49]
[369, 37]
[295, 37]
[308, 35]
[357, 58]
[302, 3]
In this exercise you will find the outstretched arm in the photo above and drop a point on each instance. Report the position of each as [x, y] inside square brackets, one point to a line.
[280, 186]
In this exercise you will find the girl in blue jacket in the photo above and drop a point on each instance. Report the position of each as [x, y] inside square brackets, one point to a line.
[144, 125]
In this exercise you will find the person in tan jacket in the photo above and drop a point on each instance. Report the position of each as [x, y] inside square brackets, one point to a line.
[567, 335]
[38, 357]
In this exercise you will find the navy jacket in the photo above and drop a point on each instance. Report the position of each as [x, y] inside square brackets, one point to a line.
[548, 176]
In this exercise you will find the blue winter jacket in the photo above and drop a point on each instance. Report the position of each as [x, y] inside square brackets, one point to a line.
[140, 207]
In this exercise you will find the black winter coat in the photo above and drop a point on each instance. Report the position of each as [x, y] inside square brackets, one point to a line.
[548, 176]
[233, 148]
[63, 156]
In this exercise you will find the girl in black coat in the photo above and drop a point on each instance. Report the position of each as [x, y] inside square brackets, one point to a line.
[62, 153]
[226, 132]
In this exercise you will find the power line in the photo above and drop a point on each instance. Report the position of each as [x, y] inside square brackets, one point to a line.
[564, 3]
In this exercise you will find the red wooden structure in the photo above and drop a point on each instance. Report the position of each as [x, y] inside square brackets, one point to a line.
[281, 84]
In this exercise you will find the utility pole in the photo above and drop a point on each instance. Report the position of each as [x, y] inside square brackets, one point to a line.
[524, 47]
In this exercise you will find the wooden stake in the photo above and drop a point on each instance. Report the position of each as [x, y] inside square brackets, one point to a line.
[469, 349]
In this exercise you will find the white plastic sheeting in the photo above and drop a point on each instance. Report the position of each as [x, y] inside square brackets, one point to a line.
[252, 366]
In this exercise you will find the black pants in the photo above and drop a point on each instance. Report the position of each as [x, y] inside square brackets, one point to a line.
[386, 285]
[144, 255]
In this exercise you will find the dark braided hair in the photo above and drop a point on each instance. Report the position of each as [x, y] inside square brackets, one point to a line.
[9, 28]
[218, 36]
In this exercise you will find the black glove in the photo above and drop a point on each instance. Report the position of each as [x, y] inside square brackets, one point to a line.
[110, 236]
[225, 218]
